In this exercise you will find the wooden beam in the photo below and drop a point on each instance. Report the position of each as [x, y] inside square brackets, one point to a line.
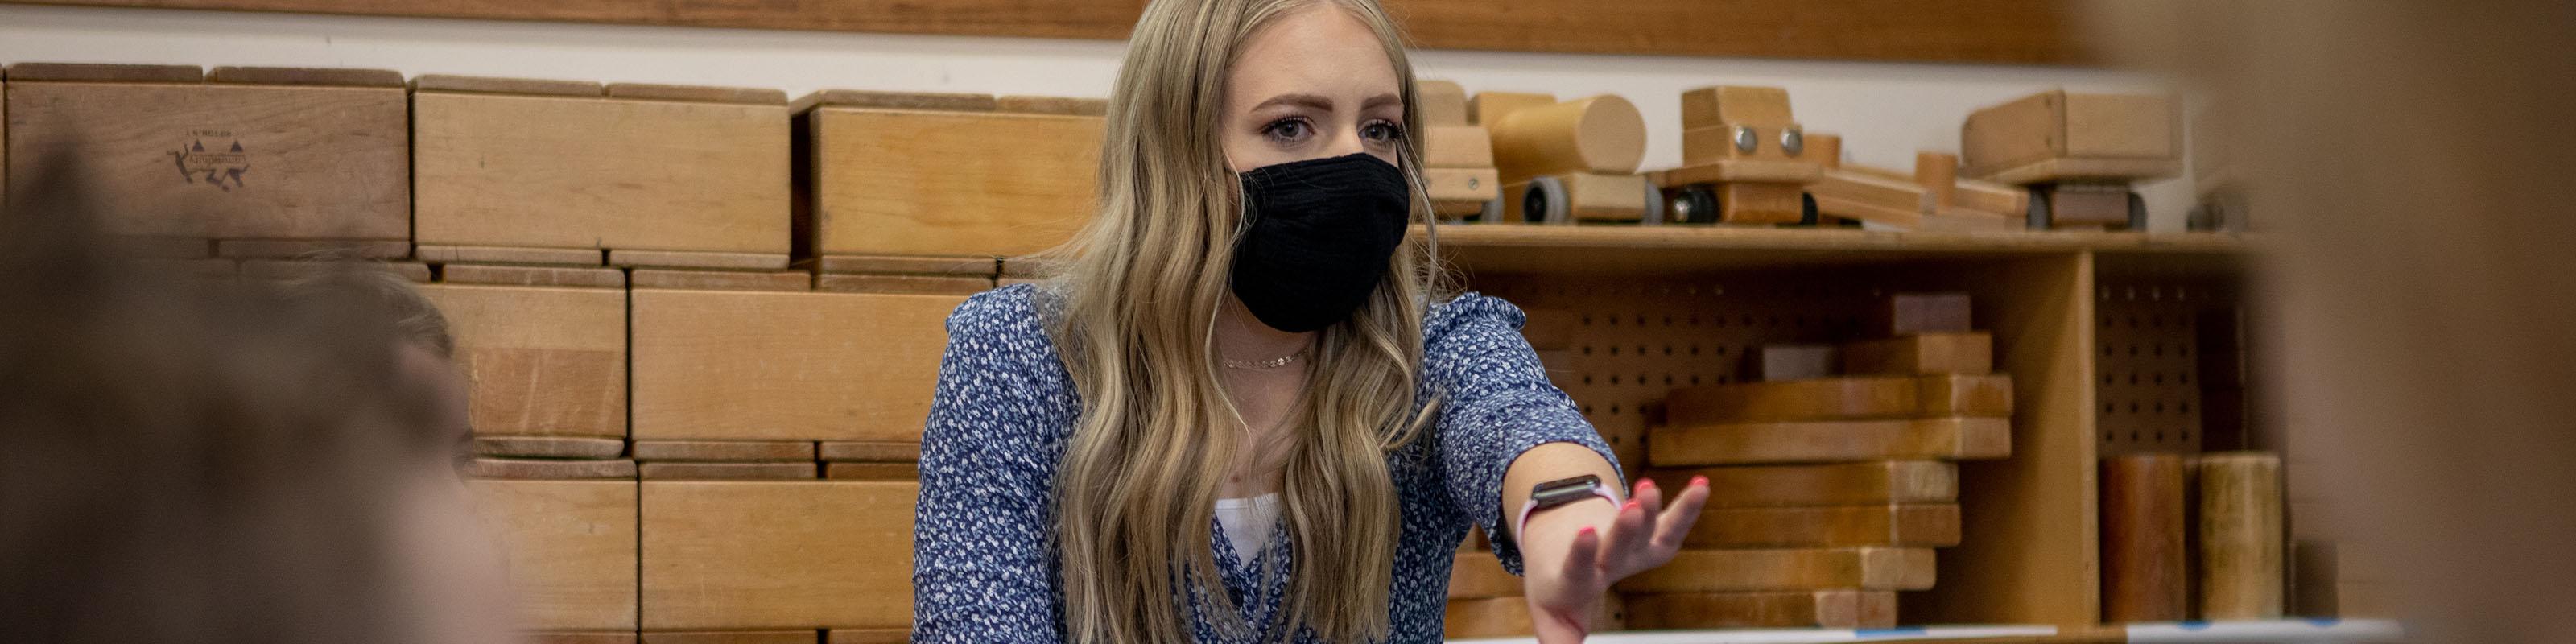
[1980, 31]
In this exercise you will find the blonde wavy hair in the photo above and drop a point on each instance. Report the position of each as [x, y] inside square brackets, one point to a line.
[1141, 286]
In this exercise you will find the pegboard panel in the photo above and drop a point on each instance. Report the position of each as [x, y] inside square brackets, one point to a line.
[1635, 340]
[2154, 343]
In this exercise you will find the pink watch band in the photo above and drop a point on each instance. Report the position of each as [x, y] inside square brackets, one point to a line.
[1599, 489]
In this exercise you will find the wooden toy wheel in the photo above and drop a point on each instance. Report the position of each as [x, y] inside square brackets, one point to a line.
[1544, 202]
[1654, 206]
[1807, 215]
[1692, 204]
[1492, 212]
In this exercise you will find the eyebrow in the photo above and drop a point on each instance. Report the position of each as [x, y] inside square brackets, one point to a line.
[1325, 104]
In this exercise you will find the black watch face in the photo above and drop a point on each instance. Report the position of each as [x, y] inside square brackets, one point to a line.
[1563, 491]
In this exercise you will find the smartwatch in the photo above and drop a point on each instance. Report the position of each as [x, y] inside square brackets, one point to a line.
[1561, 492]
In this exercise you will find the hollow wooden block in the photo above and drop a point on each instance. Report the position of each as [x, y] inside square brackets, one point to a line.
[1439, 102]
[2143, 568]
[1713, 106]
[746, 365]
[2014, 142]
[540, 361]
[1601, 134]
[1477, 574]
[1456, 146]
[1912, 313]
[176, 156]
[1510, 617]
[1779, 362]
[567, 171]
[1868, 568]
[1832, 484]
[1923, 353]
[1953, 438]
[1846, 398]
[1779, 609]
[2241, 540]
[918, 182]
[776, 555]
[1919, 525]
[572, 549]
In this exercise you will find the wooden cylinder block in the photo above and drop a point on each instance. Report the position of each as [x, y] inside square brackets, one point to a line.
[2143, 568]
[1601, 134]
[2240, 536]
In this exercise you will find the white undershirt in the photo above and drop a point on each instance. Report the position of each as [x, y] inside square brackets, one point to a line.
[1247, 523]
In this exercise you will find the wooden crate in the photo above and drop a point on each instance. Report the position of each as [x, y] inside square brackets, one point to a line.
[778, 365]
[776, 555]
[266, 162]
[899, 174]
[541, 360]
[657, 175]
[572, 549]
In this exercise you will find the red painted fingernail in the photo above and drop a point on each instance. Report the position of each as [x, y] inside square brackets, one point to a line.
[1632, 504]
[1699, 480]
[1646, 483]
[1587, 530]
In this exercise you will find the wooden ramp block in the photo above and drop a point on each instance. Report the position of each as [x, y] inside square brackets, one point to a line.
[904, 182]
[776, 555]
[600, 172]
[744, 365]
[1849, 398]
[572, 550]
[2241, 539]
[1478, 574]
[1439, 102]
[1831, 484]
[685, 450]
[1510, 617]
[166, 154]
[1925, 353]
[1953, 438]
[540, 361]
[1782, 609]
[1925, 525]
[1870, 568]
[2143, 564]
[548, 446]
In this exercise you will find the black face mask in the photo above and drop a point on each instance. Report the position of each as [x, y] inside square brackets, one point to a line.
[1317, 236]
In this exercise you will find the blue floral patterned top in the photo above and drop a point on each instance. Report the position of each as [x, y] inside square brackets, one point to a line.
[982, 568]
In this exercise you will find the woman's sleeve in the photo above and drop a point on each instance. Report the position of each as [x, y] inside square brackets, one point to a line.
[981, 572]
[1496, 403]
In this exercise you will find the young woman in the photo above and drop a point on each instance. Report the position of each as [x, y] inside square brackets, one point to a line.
[1242, 412]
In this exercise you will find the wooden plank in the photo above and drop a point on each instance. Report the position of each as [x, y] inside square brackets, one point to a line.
[496, 85]
[1922, 353]
[1913, 313]
[540, 361]
[1847, 398]
[1868, 568]
[1725, 105]
[879, 451]
[872, 471]
[800, 636]
[724, 280]
[977, 266]
[737, 471]
[247, 162]
[105, 73]
[549, 469]
[685, 450]
[1875, 483]
[909, 284]
[1600, 134]
[868, 636]
[2144, 575]
[499, 275]
[1052, 105]
[340, 76]
[442, 254]
[1439, 103]
[899, 182]
[741, 365]
[1779, 609]
[636, 258]
[1953, 438]
[760, 554]
[1479, 574]
[580, 172]
[2241, 539]
[941, 101]
[2008, 200]
[1921, 525]
[572, 550]
[548, 446]
[1456, 146]
[1781, 362]
[709, 93]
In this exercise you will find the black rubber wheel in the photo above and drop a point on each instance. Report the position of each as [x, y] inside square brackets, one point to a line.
[1807, 210]
[1543, 202]
[2038, 208]
[1492, 212]
[2137, 212]
[1692, 204]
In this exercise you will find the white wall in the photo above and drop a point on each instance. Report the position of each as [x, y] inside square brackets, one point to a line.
[1885, 111]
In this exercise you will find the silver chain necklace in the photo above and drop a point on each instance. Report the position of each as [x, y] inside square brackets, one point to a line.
[1264, 365]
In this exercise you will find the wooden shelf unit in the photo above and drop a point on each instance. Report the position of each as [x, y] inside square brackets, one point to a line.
[1662, 307]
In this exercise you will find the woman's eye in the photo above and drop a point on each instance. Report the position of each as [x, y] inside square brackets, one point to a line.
[1382, 132]
[1287, 129]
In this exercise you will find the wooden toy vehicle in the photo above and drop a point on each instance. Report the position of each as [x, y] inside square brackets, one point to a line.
[1932, 198]
[1561, 163]
[1744, 160]
[2077, 154]
[1457, 157]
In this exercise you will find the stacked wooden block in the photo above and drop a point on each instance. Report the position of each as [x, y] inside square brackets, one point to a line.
[1828, 492]
[1457, 155]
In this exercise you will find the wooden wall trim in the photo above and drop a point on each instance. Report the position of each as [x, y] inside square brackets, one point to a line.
[1973, 31]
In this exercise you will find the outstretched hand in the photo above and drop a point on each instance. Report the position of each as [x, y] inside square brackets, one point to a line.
[1572, 553]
